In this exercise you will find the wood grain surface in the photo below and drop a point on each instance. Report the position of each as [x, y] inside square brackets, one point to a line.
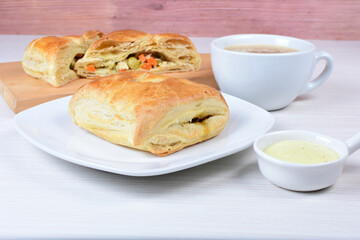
[21, 91]
[311, 19]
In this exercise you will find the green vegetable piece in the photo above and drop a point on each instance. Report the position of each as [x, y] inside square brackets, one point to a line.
[72, 65]
[159, 60]
[133, 63]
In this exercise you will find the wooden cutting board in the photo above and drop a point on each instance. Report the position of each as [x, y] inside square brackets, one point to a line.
[21, 91]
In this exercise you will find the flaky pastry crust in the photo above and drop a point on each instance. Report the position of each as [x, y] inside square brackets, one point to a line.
[110, 54]
[52, 59]
[150, 112]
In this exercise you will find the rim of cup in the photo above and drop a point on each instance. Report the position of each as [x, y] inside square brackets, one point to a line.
[215, 42]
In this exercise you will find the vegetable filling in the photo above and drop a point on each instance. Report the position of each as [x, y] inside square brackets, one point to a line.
[76, 58]
[145, 61]
[200, 119]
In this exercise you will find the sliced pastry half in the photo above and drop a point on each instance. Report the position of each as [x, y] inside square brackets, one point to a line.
[131, 50]
[150, 112]
[52, 59]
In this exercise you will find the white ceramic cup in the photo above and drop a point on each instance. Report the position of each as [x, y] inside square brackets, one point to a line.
[271, 81]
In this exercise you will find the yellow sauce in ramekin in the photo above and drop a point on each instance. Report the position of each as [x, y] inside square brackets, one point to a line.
[303, 152]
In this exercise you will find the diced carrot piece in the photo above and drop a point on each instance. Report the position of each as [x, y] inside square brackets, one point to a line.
[152, 61]
[91, 68]
[146, 66]
[122, 70]
[142, 58]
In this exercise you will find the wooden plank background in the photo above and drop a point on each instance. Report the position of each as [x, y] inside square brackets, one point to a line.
[311, 19]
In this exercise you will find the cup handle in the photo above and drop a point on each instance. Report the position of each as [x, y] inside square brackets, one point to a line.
[325, 73]
[353, 143]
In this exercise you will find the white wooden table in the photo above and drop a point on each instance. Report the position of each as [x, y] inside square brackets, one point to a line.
[42, 196]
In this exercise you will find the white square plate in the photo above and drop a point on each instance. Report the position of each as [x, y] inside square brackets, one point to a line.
[49, 127]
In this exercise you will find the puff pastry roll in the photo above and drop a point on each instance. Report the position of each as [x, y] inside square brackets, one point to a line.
[150, 112]
[52, 59]
[131, 50]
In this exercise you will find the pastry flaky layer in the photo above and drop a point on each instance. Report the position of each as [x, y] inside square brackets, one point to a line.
[150, 112]
[131, 50]
[52, 59]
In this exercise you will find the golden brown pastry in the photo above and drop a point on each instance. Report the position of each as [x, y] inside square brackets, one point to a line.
[150, 112]
[131, 50]
[52, 59]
